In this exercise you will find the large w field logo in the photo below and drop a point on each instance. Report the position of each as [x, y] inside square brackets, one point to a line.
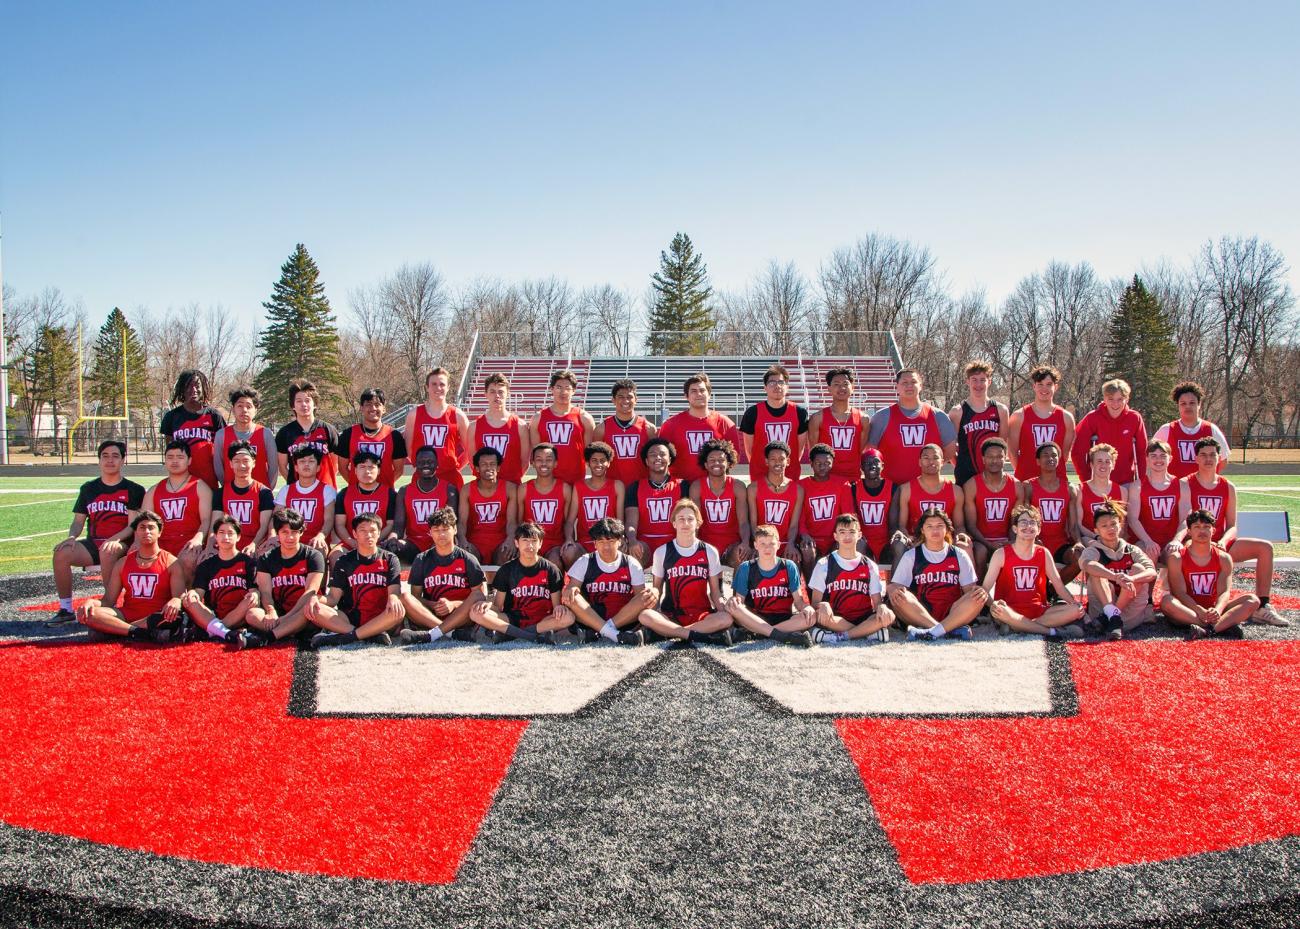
[435, 434]
[173, 508]
[1026, 577]
[912, 434]
[142, 585]
[543, 511]
[774, 511]
[658, 509]
[594, 508]
[627, 444]
[1162, 507]
[717, 511]
[559, 433]
[1052, 509]
[1043, 434]
[842, 437]
[823, 508]
[1204, 583]
[242, 510]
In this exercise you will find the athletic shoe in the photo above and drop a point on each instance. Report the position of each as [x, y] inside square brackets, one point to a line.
[961, 632]
[241, 639]
[722, 638]
[382, 639]
[880, 635]
[828, 636]
[190, 631]
[915, 633]
[631, 637]
[1115, 634]
[545, 638]
[1069, 631]
[1196, 633]
[588, 635]
[464, 634]
[1232, 632]
[414, 636]
[801, 639]
[61, 618]
[501, 638]
[741, 634]
[325, 639]
[1265, 616]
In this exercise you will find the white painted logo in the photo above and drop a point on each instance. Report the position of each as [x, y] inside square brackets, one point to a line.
[823, 508]
[1162, 507]
[543, 510]
[627, 444]
[173, 508]
[718, 510]
[842, 437]
[1026, 577]
[658, 509]
[142, 585]
[435, 434]
[560, 433]
[242, 510]
[594, 508]
[488, 512]
[774, 511]
[1204, 583]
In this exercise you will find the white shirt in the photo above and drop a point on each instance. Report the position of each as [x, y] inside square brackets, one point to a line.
[635, 572]
[818, 579]
[902, 573]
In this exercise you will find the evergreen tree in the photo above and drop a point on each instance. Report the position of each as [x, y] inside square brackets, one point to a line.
[1140, 349]
[53, 376]
[106, 376]
[300, 339]
[682, 318]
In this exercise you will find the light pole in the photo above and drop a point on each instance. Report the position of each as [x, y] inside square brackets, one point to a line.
[4, 376]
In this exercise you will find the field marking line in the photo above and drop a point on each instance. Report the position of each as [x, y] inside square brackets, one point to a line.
[34, 535]
[10, 506]
[26, 558]
[36, 490]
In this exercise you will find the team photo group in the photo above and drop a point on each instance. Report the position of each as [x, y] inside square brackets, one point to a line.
[620, 530]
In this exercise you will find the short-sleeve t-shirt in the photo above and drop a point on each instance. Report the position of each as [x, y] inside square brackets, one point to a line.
[528, 589]
[321, 436]
[224, 583]
[906, 567]
[365, 582]
[289, 575]
[452, 576]
[105, 507]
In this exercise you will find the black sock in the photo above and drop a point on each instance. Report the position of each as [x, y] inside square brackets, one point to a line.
[1263, 601]
[780, 636]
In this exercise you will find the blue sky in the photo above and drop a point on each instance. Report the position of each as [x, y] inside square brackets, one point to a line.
[163, 154]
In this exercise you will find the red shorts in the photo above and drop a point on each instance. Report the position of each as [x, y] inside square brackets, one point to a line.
[688, 619]
[487, 543]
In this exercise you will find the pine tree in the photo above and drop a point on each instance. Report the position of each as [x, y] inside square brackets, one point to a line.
[106, 376]
[1140, 349]
[53, 375]
[681, 319]
[300, 339]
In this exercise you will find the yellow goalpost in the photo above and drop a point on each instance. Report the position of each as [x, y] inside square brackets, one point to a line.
[81, 397]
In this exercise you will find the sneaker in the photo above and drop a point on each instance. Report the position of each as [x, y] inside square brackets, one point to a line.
[722, 638]
[1196, 633]
[1069, 631]
[414, 636]
[800, 639]
[545, 638]
[880, 635]
[325, 639]
[961, 632]
[588, 635]
[828, 636]
[382, 639]
[501, 638]
[1115, 634]
[1265, 616]
[464, 634]
[190, 631]
[914, 633]
[631, 637]
[61, 618]
[249, 638]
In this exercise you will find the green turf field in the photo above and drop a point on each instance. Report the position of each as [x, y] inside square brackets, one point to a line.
[35, 513]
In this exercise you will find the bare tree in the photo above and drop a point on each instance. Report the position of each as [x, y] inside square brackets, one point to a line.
[606, 317]
[415, 302]
[549, 306]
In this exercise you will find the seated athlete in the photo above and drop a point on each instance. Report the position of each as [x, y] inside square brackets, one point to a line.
[544, 501]
[224, 586]
[594, 498]
[1058, 502]
[688, 578]
[424, 494]
[184, 503]
[648, 506]
[105, 507]
[1018, 578]
[247, 500]
[526, 591]
[606, 589]
[934, 588]
[989, 498]
[365, 494]
[1200, 594]
[489, 511]
[1119, 575]
[365, 596]
[826, 496]
[310, 496]
[289, 578]
[150, 583]
[776, 499]
[769, 600]
[846, 590]
[873, 497]
[721, 498]
[446, 582]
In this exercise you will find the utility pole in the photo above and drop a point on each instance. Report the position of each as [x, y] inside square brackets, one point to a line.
[4, 375]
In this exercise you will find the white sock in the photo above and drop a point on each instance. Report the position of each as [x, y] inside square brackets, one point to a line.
[65, 603]
[435, 635]
[937, 631]
[1051, 632]
[218, 628]
[1110, 610]
[609, 630]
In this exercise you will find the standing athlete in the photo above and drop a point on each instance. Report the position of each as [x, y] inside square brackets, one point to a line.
[1113, 423]
[903, 429]
[305, 430]
[1039, 422]
[244, 402]
[976, 418]
[695, 425]
[567, 428]
[625, 432]
[195, 423]
[373, 435]
[439, 425]
[841, 425]
[776, 419]
[1188, 429]
[502, 430]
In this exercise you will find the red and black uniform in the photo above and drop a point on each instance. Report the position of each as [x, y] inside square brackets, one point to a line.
[321, 436]
[566, 434]
[1022, 583]
[919, 500]
[777, 507]
[180, 513]
[145, 588]
[365, 583]
[354, 500]
[627, 442]
[197, 430]
[654, 509]
[485, 525]
[823, 502]
[1054, 505]
[1213, 500]
[443, 433]
[993, 507]
[105, 507]
[770, 596]
[848, 588]
[1038, 430]
[1201, 580]
[846, 440]
[873, 514]
[289, 575]
[594, 505]
[607, 591]
[311, 503]
[766, 425]
[721, 525]
[246, 505]
[1183, 461]
[972, 431]
[419, 504]
[686, 584]
[387, 443]
[1090, 502]
[224, 583]
[505, 439]
[528, 590]
[445, 577]
[936, 584]
[689, 433]
[263, 462]
[547, 510]
[1158, 511]
[902, 440]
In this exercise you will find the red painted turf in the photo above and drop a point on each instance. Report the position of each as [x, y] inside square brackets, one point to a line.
[1177, 749]
[190, 752]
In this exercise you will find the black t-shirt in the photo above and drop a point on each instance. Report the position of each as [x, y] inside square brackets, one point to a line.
[365, 583]
[452, 576]
[224, 583]
[749, 422]
[528, 589]
[105, 506]
[321, 436]
[175, 420]
[289, 575]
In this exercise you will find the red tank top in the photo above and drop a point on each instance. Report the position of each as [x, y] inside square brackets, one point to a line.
[1090, 501]
[380, 444]
[1183, 462]
[777, 507]
[846, 439]
[180, 513]
[936, 584]
[243, 506]
[592, 506]
[547, 510]
[419, 506]
[357, 501]
[873, 513]
[310, 503]
[688, 435]
[993, 509]
[900, 445]
[505, 439]
[1035, 431]
[1055, 507]
[1201, 580]
[654, 508]
[848, 590]
[721, 526]
[822, 504]
[442, 433]
[262, 463]
[1022, 582]
[485, 525]
[565, 433]
[769, 428]
[145, 588]
[1158, 511]
[919, 500]
[686, 584]
[1214, 501]
[627, 444]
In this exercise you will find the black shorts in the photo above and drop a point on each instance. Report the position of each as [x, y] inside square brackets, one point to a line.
[92, 548]
[1059, 555]
[406, 552]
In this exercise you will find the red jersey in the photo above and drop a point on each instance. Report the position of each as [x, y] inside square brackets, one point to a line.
[1213, 500]
[689, 433]
[846, 439]
[547, 510]
[565, 433]
[453, 576]
[180, 513]
[145, 588]
[1037, 430]
[1022, 582]
[485, 526]
[823, 502]
[1158, 511]
[106, 507]
[686, 584]
[505, 439]
[848, 590]
[607, 591]
[654, 510]
[288, 576]
[419, 505]
[321, 436]
[1183, 462]
[936, 584]
[442, 433]
[385, 443]
[901, 443]
[224, 583]
[1126, 432]
[1201, 580]
[197, 430]
[1090, 501]
[352, 501]
[721, 525]
[365, 583]
[1054, 505]
[993, 508]
[777, 508]
[769, 427]
[873, 513]
[771, 596]
[261, 463]
[245, 506]
[919, 500]
[627, 442]
[311, 503]
[592, 506]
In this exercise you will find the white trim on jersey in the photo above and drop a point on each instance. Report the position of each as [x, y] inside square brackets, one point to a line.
[818, 579]
[578, 572]
[902, 573]
[657, 564]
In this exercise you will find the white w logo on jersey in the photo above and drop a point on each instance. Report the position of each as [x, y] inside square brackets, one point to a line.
[924, 505]
[695, 439]
[435, 434]
[1043, 434]
[543, 511]
[912, 434]
[365, 506]
[718, 510]
[173, 508]
[594, 508]
[1162, 507]
[778, 432]
[658, 508]
[1051, 509]
[823, 508]
[627, 444]
[1187, 450]
[242, 510]
[995, 509]
[488, 512]
[1211, 505]
[873, 514]
[1026, 577]
[1204, 583]
[375, 448]
[842, 437]
[497, 440]
[423, 509]
[142, 585]
[304, 505]
[559, 433]
[774, 510]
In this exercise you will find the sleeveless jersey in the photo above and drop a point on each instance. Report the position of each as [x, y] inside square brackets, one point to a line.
[485, 525]
[594, 505]
[938, 584]
[180, 513]
[197, 430]
[1090, 501]
[627, 444]
[1055, 507]
[971, 433]
[777, 508]
[1183, 462]
[771, 596]
[846, 439]
[721, 525]
[686, 584]
[1201, 580]
[505, 439]
[1214, 500]
[419, 505]
[769, 428]
[547, 510]
[607, 592]
[654, 509]
[1034, 431]
[688, 435]
[261, 464]
[145, 588]
[1158, 510]
[901, 443]
[443, 434]
[919, 500]
[873, 514]
[565, 433]
[310, 502]
[822, 504]
[848, 590]
[1022, 582]
[352, 501]
[381, 444]
[993, 509]
[246, 508]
